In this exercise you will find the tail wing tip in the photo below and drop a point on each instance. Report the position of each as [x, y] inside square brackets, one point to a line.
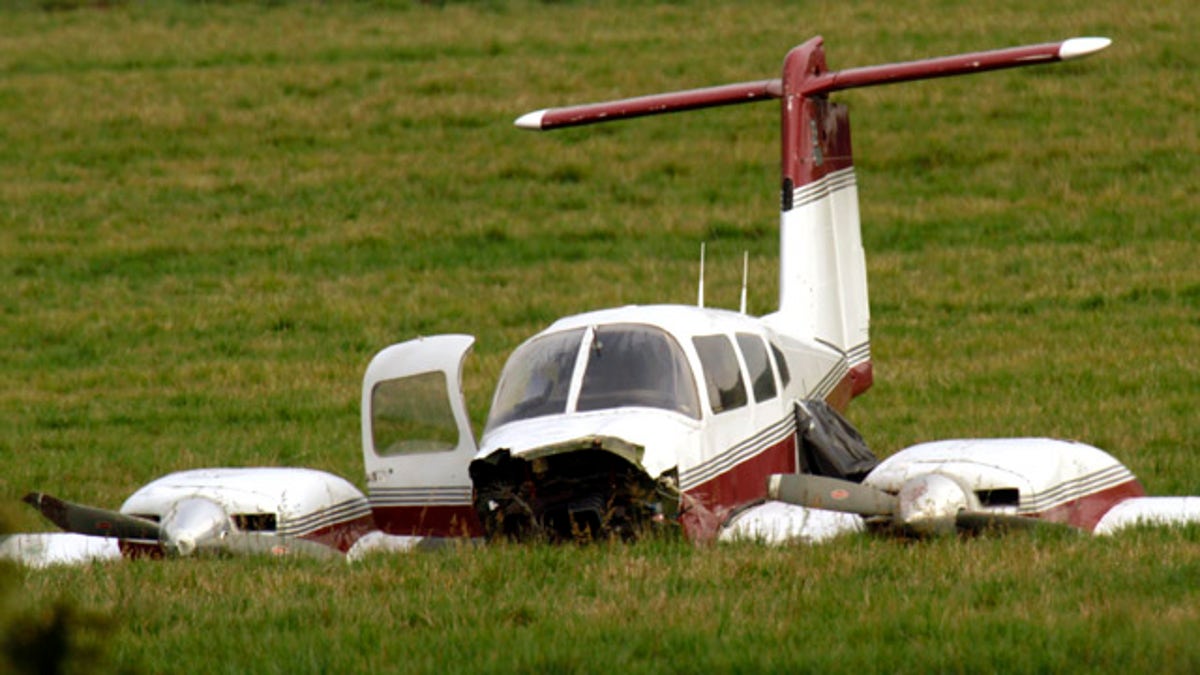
[1079, 47]
[531, 120]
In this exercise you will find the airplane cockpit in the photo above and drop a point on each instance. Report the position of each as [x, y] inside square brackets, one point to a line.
[692, 361]
[595, 368]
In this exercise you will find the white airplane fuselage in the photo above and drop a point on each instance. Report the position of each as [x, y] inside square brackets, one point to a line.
[693, 407]
[700, 401]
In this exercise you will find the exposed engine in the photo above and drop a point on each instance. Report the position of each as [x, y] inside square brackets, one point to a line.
[580, 495]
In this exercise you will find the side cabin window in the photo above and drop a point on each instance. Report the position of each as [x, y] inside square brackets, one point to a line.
[537, 378]
[761, 377]
[722, 376]
[412, 415]
[785, 376]
[633, 365]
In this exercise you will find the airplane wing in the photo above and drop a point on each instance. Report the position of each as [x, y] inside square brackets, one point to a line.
[44, 549]
[92, 533]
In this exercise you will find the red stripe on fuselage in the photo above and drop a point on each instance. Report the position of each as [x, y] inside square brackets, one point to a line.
[706, 507]
[1087, 511]
[341, 536]
[429, 520]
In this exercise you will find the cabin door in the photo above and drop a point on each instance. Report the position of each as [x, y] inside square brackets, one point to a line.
[417, 439]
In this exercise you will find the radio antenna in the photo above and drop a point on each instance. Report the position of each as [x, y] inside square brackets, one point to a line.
[745, 276]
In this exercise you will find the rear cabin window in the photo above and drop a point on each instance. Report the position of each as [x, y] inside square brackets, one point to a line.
[722, 377]
[761, 378]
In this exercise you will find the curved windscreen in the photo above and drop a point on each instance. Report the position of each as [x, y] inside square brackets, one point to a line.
[626, 365]
[631, 365]
[537, 378]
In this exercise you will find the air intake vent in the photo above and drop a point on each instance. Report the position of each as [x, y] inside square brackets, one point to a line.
[999, 497]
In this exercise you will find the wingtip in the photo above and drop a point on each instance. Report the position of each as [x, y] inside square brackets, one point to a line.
[1075, 48]
[532, 120]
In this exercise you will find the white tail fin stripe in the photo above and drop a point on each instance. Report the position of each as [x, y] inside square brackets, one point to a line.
[832, 182]
[859, 354]
[830, 381]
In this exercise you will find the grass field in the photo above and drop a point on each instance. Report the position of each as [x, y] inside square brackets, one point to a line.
[212, 215]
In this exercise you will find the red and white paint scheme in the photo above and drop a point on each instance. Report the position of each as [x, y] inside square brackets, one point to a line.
[269, 510]
[619, 420]
[288, 503]
[946, 486]
[644, 414]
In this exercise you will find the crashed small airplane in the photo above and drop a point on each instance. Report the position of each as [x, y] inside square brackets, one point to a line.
[634, 419]
[723, 424]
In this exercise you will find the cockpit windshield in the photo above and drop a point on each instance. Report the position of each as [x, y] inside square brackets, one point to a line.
[624, 365]
[631, 365]
[537, 378]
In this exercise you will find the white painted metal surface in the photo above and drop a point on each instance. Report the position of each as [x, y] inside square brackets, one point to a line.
[823, 272]
[1150, 511]
[780, 523]
[442, 469]
[302, 500]
[1046, 472]
[44, 549]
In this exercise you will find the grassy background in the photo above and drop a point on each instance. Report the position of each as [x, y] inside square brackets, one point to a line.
[212, 215]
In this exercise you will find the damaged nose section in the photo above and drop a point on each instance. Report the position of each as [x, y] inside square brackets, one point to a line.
[582, 490]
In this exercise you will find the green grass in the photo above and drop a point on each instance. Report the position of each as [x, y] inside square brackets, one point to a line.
[212, 215]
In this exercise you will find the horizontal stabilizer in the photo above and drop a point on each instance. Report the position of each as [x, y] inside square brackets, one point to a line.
[91, 520]
[814, 84]
[958, 64]
[676, 101]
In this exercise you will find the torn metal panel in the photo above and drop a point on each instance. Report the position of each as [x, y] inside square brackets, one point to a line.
[584, 489]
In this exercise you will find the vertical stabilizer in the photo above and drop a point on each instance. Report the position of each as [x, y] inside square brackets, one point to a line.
[823, 274]
[822, 269]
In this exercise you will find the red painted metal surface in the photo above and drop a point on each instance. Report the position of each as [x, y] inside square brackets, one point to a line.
[1087, 511]
[862, 377]
[923, 69]
[706, 507]
[429, 520]
[341, 536]
[815, 136]
[655, 104]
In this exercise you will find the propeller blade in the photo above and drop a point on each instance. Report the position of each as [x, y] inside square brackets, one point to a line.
[262, 543]
[91, 520]
[832, 494]
[978, 521]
